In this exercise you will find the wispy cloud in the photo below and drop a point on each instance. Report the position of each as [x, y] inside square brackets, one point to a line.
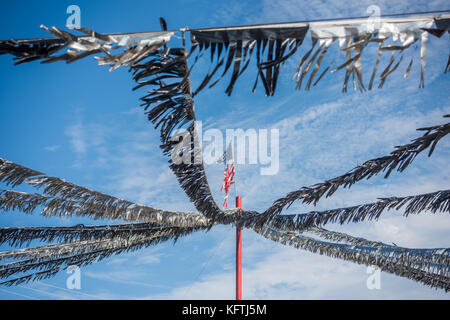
[78, 138]
[52, 148]
[85, 136]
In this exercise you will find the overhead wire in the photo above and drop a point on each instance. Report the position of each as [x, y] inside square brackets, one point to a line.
[185, 29]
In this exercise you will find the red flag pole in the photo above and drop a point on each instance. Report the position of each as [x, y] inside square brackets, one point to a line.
[238, 255]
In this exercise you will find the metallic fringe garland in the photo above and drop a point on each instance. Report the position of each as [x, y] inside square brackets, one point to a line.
[78, 47]
[174, 110]
[398, 261]
[18, 236]
[238, 46]
[435, 202]
[400, 158]
[49, 259]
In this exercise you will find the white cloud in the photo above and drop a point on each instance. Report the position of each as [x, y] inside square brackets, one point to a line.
[85, 136]
[77, 136]
[52, 148]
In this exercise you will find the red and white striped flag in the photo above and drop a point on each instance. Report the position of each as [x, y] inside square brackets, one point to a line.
[228, 175]
[228, 181]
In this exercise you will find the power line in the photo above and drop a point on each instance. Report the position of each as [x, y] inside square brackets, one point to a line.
[18, 294]
[324, 20]
[205, 265]
[45, 292]
[72, 291]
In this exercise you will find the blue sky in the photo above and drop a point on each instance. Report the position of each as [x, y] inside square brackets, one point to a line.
[83, 123]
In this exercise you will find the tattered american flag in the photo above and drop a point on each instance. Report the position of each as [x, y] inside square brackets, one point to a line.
[228, 175]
